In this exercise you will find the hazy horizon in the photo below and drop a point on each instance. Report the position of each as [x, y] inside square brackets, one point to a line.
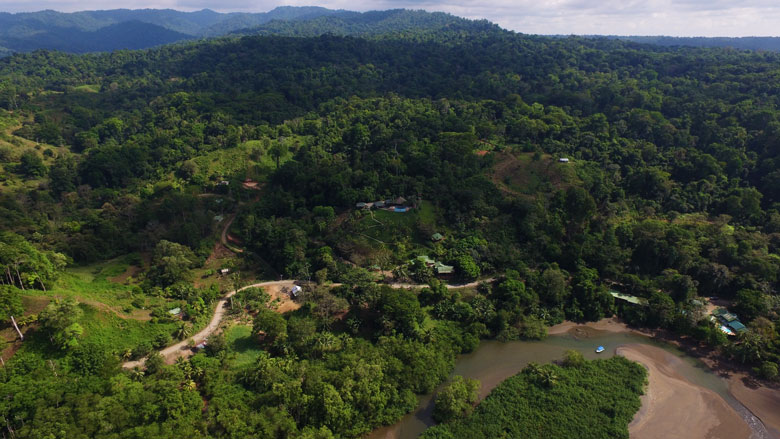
[675, 18]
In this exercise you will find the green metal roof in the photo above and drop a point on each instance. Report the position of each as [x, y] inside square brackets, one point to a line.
[629, 298]
[426, 259]
[443, 269]
[729, 317]
[737, 326]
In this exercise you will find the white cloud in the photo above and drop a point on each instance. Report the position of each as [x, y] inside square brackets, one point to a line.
[622, 17]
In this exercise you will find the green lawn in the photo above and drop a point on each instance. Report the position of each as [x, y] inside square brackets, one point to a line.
[239, 340]
[249, 158]
[92, 283]
[109, 330]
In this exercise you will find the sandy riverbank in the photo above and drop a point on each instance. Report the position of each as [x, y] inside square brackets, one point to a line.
[764, 402]
[673, 407]
[603, 325]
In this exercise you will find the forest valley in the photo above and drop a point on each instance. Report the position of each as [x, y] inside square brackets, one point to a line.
[120, 171]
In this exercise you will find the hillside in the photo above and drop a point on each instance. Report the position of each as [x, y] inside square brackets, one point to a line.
[396, 23]
[406, 176]
[744, 43]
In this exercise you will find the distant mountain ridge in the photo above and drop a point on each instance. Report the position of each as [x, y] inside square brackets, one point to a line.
[129, 29]
[108, 30]
[125, 35]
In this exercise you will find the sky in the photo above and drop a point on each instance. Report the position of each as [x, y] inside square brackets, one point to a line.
[605, 17]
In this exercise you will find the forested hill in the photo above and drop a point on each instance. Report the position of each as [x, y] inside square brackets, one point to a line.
[385, 24]
[744, 43]
[128, 180]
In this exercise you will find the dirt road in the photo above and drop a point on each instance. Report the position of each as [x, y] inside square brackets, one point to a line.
[181, 349]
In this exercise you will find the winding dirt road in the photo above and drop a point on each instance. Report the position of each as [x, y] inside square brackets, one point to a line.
[181, 349]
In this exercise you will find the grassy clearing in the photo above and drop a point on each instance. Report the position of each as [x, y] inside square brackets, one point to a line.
[388, 227]
[239, 340]
[88, 88]
[521, 174]
[109, 330]
[92, 283]
[249, 158]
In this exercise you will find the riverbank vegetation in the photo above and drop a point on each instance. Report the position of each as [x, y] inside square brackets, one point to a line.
[183, 172]
[587, 399]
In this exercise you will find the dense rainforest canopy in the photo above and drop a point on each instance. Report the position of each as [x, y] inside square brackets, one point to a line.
[119, 171]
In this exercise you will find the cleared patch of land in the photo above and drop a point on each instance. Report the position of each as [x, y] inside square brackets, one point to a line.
[521, 174]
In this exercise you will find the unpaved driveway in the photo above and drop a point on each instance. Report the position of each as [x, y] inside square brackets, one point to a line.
[181, 349]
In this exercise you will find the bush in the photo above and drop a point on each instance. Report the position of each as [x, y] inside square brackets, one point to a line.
[768, 371]
[143, 349]
[573, 359]
[161, 340]
[456, 399]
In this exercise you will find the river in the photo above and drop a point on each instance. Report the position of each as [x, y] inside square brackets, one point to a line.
[494, 362]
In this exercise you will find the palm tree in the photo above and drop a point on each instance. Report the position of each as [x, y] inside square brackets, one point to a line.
[543, 375]
[127, 354]
[183, 331]
[547, 377]
[532, 369]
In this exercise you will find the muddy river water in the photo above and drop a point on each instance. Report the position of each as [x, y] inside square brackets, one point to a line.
[494, 362]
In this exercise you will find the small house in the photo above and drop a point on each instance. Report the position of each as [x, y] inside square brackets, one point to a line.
[737, 326]
[224, 271]
[728, 317]
[641, 301]
[440, 268]
[361, 205]
[175, 312]
[379, 204]
[426, 260]
[201, 345]
[563, 160]
[224, 183]
[295, 291]
[436, 237]
[400, 201]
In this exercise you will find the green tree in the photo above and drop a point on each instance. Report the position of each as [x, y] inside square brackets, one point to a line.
[466, 267]
[279, 149]
[31, 164]
[750, 304]
[269, 325]
[457, 399]
[171, 263]
[11, 305]
[60, 320]
[573, 358]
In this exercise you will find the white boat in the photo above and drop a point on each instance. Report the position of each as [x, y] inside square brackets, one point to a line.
[600, 349]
